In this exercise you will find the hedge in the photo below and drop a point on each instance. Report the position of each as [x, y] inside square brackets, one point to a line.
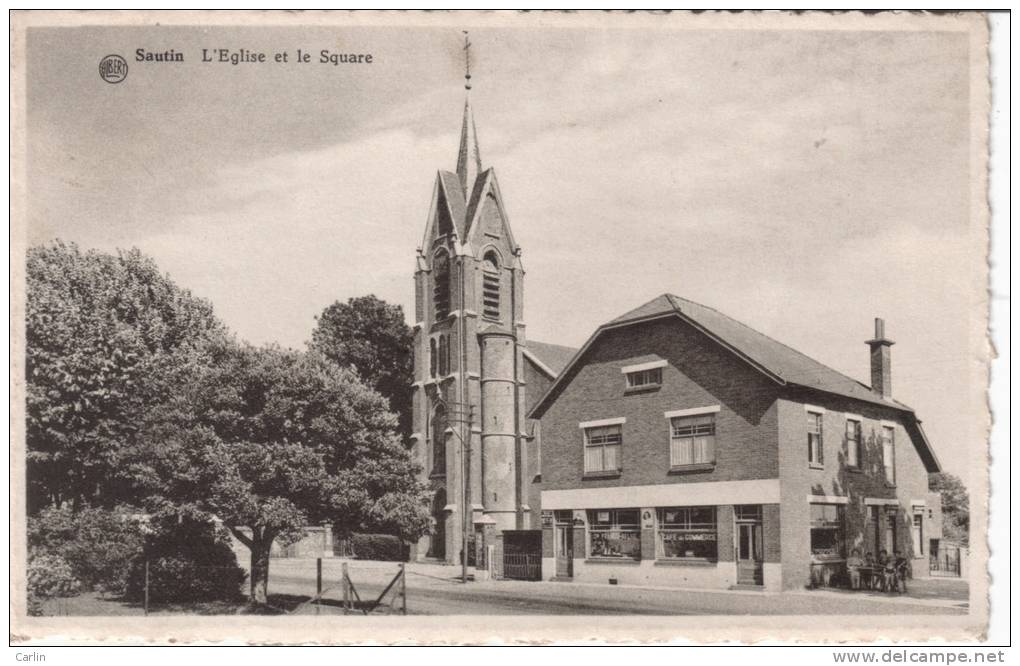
[382, 547]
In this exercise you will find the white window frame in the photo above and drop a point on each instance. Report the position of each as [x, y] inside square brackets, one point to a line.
[816, 457]
[889, 462]
[587, 434]
[649, 374]
[692, 438]
[858, 449]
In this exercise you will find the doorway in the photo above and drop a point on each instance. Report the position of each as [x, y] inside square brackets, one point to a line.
[750, 550]
[564, 547]
[437, 544]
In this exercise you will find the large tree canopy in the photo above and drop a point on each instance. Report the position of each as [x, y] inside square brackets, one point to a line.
[99, 327]
[268, 441]
[370, 335]
[955, 505]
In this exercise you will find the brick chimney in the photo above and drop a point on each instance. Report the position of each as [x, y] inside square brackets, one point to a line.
[881, 360]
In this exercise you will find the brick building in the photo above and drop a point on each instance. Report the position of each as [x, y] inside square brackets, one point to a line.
[677, 447]
[681, 447]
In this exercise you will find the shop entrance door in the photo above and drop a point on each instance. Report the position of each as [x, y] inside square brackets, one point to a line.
[564, 551]
[750, 555]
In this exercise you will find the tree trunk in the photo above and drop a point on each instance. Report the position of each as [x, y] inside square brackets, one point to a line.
[259, 570]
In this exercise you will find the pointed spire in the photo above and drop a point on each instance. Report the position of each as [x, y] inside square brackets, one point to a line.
[469, 161]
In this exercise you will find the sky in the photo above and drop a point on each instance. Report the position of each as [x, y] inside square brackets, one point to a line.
[803, 182]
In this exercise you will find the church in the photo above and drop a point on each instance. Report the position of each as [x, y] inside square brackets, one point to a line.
[677, 447]
[476, 373]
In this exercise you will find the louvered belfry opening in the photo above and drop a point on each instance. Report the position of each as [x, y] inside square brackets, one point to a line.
[490, 286]
[441, 285]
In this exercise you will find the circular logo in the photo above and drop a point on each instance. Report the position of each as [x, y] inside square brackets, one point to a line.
[113, 69]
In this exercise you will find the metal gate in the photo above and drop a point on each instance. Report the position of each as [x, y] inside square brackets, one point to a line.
[522, 566]
[945, 562]
[522, 554]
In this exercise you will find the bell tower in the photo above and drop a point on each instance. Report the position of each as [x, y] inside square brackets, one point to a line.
[468, 421]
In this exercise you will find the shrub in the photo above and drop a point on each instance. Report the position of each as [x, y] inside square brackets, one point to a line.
[188, 561]
[97, 544]
[50, 576]
[384, 547]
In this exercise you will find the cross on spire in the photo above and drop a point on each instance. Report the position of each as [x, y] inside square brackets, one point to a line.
[469, 161]
[467, 62]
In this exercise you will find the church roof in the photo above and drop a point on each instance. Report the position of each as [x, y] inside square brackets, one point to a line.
[778, 361]
[449, 183]
[553, 357]
[469, 158]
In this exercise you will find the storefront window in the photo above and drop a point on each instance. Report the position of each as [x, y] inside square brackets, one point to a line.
[688, 532]
[615, 533]
[827, 530]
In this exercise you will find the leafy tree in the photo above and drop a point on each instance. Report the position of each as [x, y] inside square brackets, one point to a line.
[188, 561]
[370, 335]
[269, 441]
[98, 327]
[98, 544]
[955, 504]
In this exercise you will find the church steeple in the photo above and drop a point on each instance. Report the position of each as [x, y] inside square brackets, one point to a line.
[469, 161]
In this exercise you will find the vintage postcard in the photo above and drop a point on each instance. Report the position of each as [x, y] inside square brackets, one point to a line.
[329, 326]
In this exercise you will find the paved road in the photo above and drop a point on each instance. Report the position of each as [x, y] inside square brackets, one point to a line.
[435, 591]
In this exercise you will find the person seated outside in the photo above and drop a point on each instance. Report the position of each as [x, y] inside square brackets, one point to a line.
[869, 568]
[882, 570]
[853, 566]
[889, 579]
[900, 565]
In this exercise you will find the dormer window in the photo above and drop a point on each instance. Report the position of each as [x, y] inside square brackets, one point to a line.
[644, 376]
[490, 286]
[441, 284]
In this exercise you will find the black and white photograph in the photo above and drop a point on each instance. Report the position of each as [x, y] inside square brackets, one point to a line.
[329, 327]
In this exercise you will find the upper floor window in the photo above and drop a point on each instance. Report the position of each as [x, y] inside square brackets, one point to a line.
[615, 533]
[853, 442]
[490, 285]
[644, 375]
[441, 284]
[687, 532]
[814, 438]
[692, 440]
[602, 446]
[644, 378]
[889, 453]
[433, 357]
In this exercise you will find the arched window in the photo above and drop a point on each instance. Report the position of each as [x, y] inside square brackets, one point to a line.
[490, 285]
[444, 355]
[441, 284]
[439, 440]
[432, 357]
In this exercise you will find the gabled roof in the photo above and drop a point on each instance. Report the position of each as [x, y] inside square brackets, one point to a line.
[476, 198]
[450, 190]
[781, 363]
[551, 358]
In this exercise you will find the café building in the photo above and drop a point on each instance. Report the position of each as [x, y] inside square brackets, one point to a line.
[680, 447]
